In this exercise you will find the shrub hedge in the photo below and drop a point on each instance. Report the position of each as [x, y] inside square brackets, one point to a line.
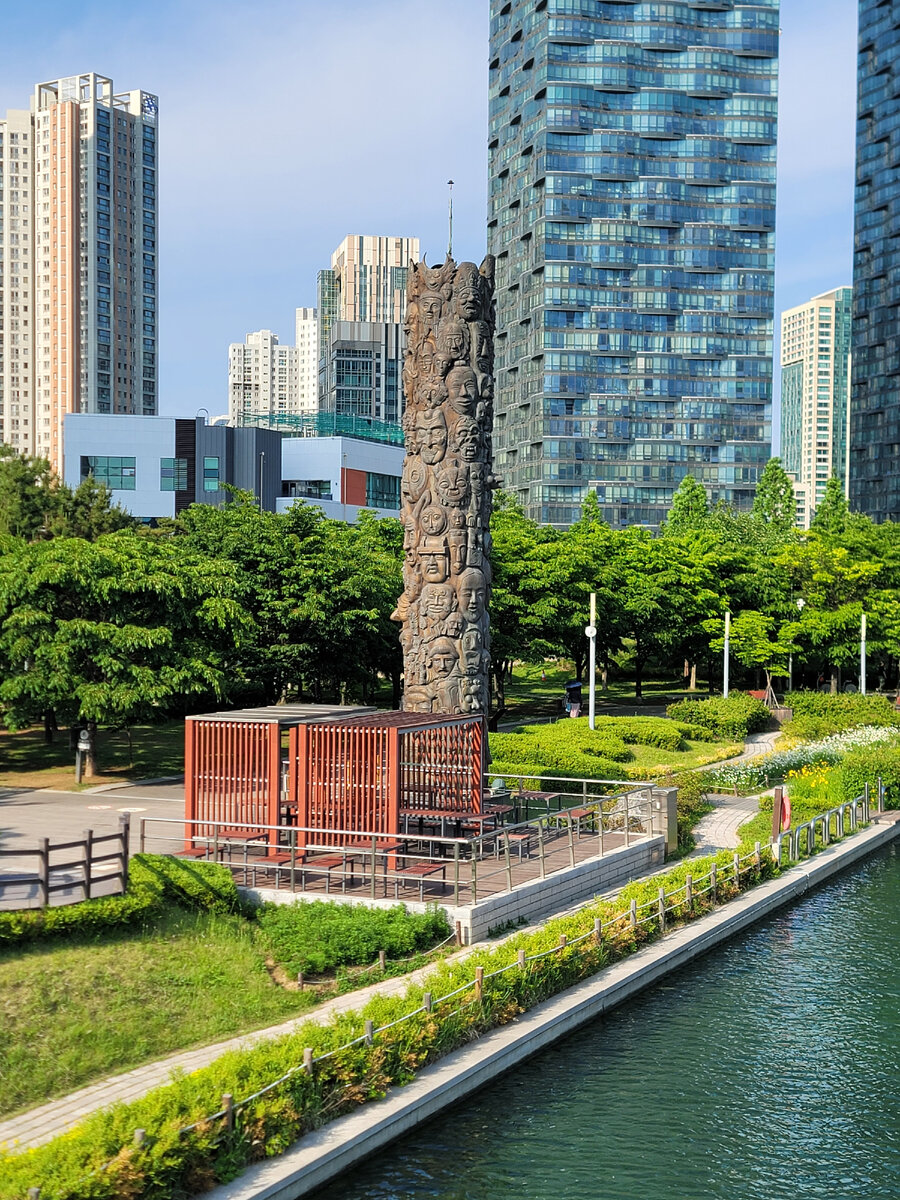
[731, 717]
[100, 1158]
[818, 714]
[318, 936]
[155, 881]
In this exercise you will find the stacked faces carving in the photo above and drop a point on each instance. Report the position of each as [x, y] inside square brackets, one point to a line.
[448, 380]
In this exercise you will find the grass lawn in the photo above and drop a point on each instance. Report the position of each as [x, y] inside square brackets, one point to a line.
[26, 760]
[529, 695]
[651, 762]
[74, 1012]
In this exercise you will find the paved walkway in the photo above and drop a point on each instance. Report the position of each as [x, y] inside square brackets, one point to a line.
[719, 830]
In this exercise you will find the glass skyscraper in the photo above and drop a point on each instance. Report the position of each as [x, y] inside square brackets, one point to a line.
[875, 395]
[632, 213]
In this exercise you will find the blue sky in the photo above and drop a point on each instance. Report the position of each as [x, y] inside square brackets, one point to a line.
[287, 124]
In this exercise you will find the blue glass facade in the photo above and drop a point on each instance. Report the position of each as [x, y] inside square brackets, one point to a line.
[632, 213]
[875, 396]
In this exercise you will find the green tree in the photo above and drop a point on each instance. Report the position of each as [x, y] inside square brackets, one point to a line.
[30, 494]
[833, 514]
[88, 512]
[756, 640]
[690, 508]
[114, 631]
[773, 504]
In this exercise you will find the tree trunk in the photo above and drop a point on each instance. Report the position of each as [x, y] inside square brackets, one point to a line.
[835, 680]
[709, 679]
[693, 683]
[90, 755]
[638, 672]
[50, 726]
[499, 676]
[604, 672]
[685, 674]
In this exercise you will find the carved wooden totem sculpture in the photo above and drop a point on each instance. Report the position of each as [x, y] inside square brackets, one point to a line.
[448, 379]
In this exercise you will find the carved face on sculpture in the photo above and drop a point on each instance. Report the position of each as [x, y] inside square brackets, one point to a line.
[472, 650]
[462, 389]
[435, 560]
[468, 292]
[431, 305]
[438, 601]
[442, 658]
[414, 480]
[433, 520]
[431, 435]
[417, 699]
[453, 344]
[471, 588]
[467, 439]
[452, 484]
[426, 358]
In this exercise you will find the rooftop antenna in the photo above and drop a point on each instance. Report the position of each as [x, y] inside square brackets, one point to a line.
[450, 213]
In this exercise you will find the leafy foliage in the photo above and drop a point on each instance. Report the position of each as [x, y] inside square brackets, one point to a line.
[318, 936]
[733, 717]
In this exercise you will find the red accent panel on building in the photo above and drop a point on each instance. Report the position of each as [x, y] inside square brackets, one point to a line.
[353, 486]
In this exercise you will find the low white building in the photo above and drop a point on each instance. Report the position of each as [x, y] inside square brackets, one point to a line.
[341, 475]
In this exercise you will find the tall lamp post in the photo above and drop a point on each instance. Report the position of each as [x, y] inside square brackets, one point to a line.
[800, 603]
[862, 655]
[591, 634]
[725, 652]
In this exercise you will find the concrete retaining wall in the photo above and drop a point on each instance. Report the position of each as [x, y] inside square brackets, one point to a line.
[559, 891]
[326, 1153]
[527, 902]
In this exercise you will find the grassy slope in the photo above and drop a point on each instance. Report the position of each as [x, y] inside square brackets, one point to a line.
[74, 1012]
[528, 693]
[27, 761]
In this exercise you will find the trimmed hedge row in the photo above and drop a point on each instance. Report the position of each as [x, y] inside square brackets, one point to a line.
[731, 717]
[155, 881]
[818, 714]
[318, 935]
[100, 1158]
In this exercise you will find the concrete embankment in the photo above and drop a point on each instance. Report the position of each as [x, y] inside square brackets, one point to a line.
[322, 1155]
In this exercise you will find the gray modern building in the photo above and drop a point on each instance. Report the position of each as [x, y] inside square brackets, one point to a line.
[875, 392]
[157, 466]
[632, 215]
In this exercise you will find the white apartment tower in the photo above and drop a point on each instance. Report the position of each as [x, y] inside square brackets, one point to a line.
[815, 396]
[307, 343]
[262, 380]
[78, 245]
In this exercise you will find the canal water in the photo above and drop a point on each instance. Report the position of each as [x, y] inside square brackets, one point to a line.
[769, 1070]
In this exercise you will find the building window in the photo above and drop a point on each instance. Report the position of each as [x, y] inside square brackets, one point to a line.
[173, 474]
[211, 474]
[382, 491]
[117, 473]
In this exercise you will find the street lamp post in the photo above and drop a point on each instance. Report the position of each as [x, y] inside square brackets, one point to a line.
[725, 653]
[862, 655]
[591, 634]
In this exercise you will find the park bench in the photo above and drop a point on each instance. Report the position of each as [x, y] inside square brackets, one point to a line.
[419, 873]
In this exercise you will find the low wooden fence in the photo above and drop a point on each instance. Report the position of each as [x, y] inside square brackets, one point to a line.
[92, 851]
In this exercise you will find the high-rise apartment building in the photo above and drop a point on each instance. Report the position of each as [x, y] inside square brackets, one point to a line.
[78, 244]
[306, 340]
[361, 310]
[632, 214]
[875, 393]
[815, 395]
[262, 380]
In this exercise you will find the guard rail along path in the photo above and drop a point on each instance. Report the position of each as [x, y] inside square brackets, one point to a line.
[53, 882]
[321, 1085]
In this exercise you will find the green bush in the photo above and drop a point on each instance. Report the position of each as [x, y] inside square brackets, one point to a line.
[646, 731]
[733, 717]
[170, 1163]
[155, 881]
[865, 766]
[318, 936]
[818, 714]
